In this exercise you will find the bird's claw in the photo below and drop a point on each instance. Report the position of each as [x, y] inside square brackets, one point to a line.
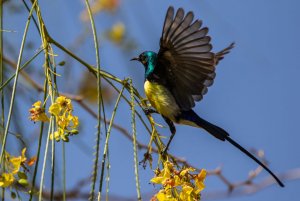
[148, 110]
[164, 152]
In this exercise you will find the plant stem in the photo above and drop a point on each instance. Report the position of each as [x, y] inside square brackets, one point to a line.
[106, 142]
[15, 83]
[136, 161]
[23, 67]
[99, 92]
[64, 171]
[45, 159]
[52, 165]
[38, 153]
[1, 82]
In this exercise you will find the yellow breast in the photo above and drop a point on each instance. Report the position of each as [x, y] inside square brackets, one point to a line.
[161, 99]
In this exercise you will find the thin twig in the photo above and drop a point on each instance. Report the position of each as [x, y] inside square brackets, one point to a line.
[135, 155]
[105, 151]
[100, 102]
[45, 159]
[15, 83]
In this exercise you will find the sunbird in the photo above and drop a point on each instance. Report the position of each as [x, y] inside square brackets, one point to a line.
[180, 73]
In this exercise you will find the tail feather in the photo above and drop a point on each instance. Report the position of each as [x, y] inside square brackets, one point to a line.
[220, 55]
[221, 134]
[210, 128]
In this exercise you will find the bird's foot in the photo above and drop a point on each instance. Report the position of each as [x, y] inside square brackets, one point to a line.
[148, 110]
[147, 157]
[164, 152]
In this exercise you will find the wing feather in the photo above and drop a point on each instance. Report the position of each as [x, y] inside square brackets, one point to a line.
[176, 22]
[187, 31]
[187, 36]
[194, 42]
[185, 62]
[168, 21]
[184, 24]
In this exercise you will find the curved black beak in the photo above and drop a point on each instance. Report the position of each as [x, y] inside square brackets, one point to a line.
[135, 59]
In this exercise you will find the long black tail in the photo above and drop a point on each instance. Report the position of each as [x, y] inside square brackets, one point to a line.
[223, 135]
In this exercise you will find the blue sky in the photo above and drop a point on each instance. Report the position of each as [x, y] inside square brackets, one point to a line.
[255, 96]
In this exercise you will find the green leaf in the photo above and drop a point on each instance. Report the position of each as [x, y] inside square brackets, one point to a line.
[22, 175]
[23, 182]
[62, 63]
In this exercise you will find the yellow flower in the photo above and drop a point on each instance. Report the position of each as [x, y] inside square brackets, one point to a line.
[12, 165]
[117, 32]
[62, 121]
[164, 177]
[186, 171]
[54, 109]
[64, 102]
[186, 193]
[6, 179]
[157, 180]
[16, 162]
[23, 157]
[101, 5]
[37, 113]
[66, 123]
[74, 120]
[109, 5]
[55, 136]
[199, 180]
[180, 184]
[177, 180]
[165, 195]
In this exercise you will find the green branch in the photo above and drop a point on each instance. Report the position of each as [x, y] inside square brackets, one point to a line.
[15, 83]
[136, 161]
[105, 151]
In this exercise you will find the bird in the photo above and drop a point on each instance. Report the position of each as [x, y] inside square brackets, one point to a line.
[180, 73]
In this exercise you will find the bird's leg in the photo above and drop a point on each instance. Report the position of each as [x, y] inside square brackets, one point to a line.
[173, 131]
[148, 110]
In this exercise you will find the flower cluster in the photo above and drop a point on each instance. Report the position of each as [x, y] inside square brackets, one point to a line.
[67, 124]
[178, 185]
[117, 33]
[12, 172]
[37, 113]
[101, 5]
[61, 109]
[109, 5]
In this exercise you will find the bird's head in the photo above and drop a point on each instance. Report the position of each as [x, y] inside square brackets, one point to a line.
[148, 59]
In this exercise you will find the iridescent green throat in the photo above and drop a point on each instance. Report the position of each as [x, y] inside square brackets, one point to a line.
[150, 58]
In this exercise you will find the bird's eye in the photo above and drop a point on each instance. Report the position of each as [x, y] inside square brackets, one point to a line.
[143, 59]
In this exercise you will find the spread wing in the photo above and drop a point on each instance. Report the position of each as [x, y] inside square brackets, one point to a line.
[185, 58]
